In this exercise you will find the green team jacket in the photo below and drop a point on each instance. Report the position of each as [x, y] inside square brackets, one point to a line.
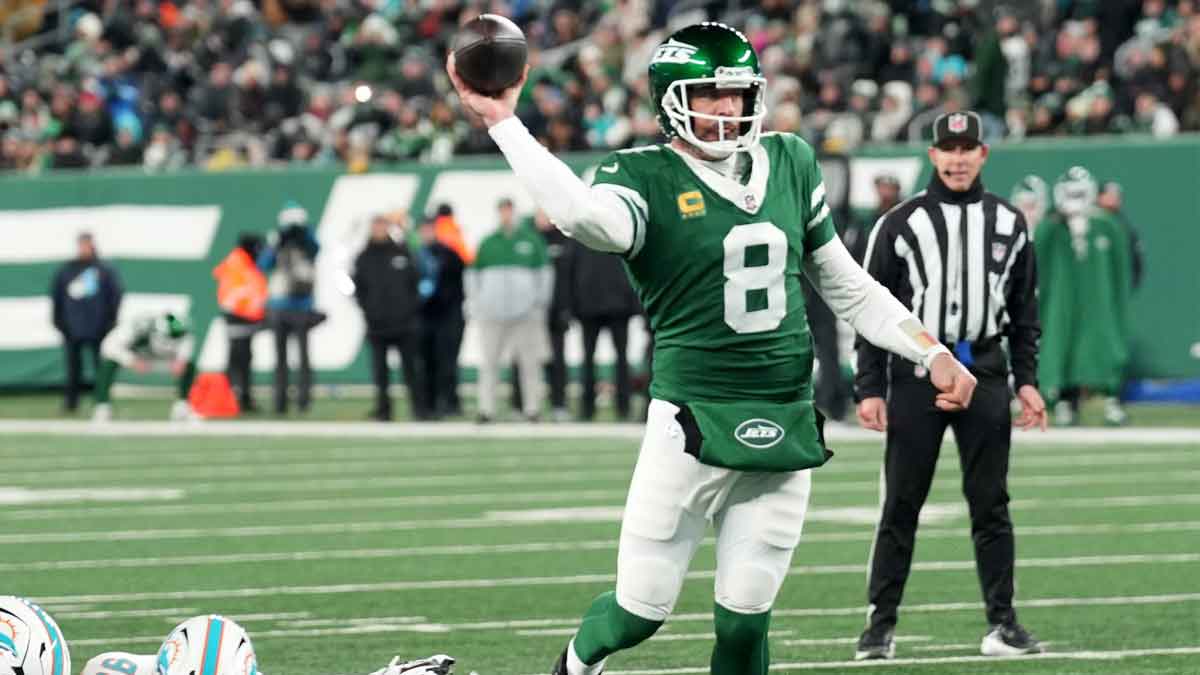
[1083, 287]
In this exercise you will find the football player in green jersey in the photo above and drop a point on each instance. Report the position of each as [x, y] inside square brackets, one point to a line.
[715, 227]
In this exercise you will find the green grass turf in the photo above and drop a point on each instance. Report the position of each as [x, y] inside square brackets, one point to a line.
[337, 407]
[413, 525]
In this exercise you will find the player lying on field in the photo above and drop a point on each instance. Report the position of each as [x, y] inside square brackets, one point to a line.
[715, 227]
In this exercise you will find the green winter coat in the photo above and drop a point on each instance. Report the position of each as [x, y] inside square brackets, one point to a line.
[1084, 287]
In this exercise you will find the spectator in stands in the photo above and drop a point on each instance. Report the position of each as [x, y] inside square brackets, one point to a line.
[86, 299]
[441, 291]
[508, 290]
[602, 299]
[386, 285]
[242, 298]
[289, 260]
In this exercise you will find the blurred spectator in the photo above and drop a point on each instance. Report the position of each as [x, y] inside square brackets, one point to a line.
[206, 70]
[86, 296]
[509, 289]
[242, 298]
[386, 284]
[1084, 270]
[1111, 199]
[441, 290]
[289, 259]
[558, 315]
[602, 299]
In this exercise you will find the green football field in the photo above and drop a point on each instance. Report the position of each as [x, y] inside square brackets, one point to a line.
[337, 548]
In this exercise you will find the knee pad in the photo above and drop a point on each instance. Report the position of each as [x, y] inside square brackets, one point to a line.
[748, 588]
[648, 586]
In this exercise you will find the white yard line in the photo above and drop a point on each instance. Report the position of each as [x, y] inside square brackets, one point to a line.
[605, 577]
[233, 473]
[979, 661]
[834, 432]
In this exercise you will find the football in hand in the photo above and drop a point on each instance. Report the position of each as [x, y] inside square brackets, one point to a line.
[489, 54]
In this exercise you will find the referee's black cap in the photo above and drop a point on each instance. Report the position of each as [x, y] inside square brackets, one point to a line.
[958, 127]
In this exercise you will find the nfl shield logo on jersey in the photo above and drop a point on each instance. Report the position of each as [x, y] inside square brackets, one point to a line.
[751, 202]
[999, 249]
[957, 123]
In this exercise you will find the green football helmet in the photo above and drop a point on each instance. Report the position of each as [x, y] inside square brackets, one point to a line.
[708, 55]
[1075, 191]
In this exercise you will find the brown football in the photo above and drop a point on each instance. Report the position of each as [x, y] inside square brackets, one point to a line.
[489, 53]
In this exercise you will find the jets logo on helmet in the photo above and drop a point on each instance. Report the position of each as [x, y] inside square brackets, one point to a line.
[673, 51]
[708, 55]
[30, 641]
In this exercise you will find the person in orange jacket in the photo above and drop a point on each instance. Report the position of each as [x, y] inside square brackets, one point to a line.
[449, 233]
[242, 297]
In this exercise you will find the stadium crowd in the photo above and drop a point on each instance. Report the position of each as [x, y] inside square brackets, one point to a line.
[162, 85]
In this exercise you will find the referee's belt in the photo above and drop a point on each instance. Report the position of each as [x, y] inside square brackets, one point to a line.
[982, 357]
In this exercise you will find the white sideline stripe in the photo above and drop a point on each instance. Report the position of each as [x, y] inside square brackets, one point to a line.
[633, 431]
[238, 473]
[1112, 655]
[19, 495]
[592, 477]
[817, 642]
[135, 456]
[510, 582]
[375, 503]
[181, 612]
[539, 547]
[371, 503]
[706, 617]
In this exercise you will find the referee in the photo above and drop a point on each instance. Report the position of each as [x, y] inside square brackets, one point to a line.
[961, 258]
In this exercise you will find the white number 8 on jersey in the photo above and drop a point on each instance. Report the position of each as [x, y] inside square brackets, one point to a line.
[741, 280]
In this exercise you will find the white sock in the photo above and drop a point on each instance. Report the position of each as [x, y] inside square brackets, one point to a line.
[576, 666]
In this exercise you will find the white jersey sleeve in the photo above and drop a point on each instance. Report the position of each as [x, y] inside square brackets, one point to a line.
[595, 217]
[120, 663]
[857, 298]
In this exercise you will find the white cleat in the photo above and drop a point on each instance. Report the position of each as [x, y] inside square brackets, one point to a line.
[1009, 640]
[102, 412]
[181, 411]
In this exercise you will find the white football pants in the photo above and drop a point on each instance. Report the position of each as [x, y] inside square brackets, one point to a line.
[672, 496]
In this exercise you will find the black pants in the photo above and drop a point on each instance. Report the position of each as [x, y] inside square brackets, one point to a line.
[286, 324]
[441, 337]
[914, 437]
[832, 391]
[409, 346]
[238, 369]
[74, 354]
[618, 329]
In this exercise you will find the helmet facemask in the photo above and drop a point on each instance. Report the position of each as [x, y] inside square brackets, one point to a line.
[677, 107]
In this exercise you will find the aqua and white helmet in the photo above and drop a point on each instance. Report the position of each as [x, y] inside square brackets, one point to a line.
[207, 645]
[30, 641]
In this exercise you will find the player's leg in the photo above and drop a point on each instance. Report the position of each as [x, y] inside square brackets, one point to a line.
[984, 435]
[491, 338]
[106, 374]
[181, 409]
[280, 331]
[660, 531]
[304, 396]
[618, 328]
[914, 438]
[529, 337]
[587, 395]
[758, 529]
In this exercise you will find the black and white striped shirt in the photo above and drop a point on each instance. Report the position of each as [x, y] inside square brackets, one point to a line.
[963, 262]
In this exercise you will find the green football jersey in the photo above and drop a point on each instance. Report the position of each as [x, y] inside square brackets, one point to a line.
[717, 266]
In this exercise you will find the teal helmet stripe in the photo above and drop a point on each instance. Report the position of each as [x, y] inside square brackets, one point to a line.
[58, 666]
[7, 644]
[212, 645]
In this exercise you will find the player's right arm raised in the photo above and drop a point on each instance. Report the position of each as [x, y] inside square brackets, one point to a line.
[597, 218]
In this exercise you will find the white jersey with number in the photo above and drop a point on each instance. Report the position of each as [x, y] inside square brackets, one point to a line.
[120, 663]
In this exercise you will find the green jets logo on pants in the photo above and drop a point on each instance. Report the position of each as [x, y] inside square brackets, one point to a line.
[758, 433]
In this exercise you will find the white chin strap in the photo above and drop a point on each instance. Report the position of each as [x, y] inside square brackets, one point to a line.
[675, 104]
